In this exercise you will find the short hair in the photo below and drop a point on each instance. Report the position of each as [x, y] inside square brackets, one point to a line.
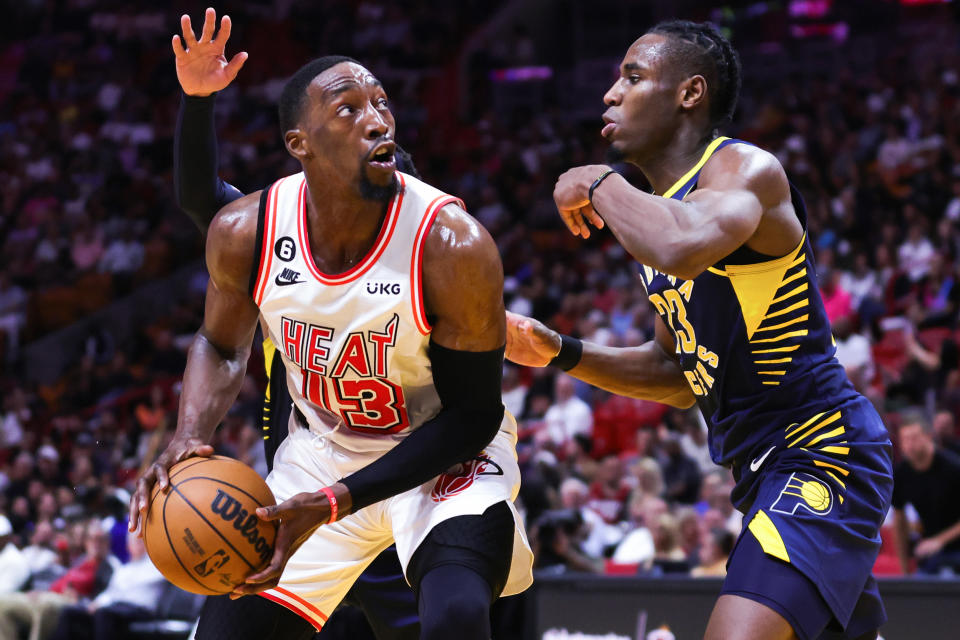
[292, 98]
[700, 49]
[914, 416]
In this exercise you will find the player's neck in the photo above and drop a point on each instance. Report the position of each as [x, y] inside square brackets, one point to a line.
[674, 159]
[342, 226]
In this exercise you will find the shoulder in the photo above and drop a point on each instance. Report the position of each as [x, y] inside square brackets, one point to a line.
[457, 243]
[950, 459]
[231, 242]
[744, 166]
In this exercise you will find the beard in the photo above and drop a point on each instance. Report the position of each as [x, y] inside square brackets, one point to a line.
[376, 193]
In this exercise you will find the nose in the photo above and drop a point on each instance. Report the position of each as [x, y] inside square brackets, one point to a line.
[377, 124]
[613, 95]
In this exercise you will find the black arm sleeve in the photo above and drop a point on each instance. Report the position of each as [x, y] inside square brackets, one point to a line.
[468, 384]
[197, 188]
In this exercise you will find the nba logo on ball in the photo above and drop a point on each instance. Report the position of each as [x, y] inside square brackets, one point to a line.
[804, 491]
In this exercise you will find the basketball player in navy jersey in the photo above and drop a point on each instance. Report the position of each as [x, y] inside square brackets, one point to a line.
[741, 331]
[385, 301]
[203, 70]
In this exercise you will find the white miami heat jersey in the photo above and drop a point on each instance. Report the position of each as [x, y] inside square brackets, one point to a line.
[354, 344]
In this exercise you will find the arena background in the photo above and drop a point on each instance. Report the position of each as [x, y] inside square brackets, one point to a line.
[101, 277]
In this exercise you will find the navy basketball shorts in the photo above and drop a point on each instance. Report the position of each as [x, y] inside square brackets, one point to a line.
[811, 533]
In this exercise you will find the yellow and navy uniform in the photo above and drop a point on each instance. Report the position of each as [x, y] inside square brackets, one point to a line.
[810, 455]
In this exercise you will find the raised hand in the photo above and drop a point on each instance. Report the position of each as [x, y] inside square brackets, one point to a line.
[529, 342]
[202, 67]
[178, 449]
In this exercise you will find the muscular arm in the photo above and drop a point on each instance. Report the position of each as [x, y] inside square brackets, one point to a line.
[217, 360]
[648, 371]
[463, 289]
[197, 188]
[738, 189]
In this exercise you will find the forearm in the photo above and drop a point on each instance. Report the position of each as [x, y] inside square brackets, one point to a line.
[656, 231]
[198, 190]
[211, 382]
[902, 537]
[949, 535]
[644, 372]
[468, 384]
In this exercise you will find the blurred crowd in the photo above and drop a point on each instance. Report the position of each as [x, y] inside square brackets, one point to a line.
[611, 484]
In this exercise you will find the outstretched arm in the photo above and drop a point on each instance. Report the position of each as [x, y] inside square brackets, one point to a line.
[647, 371]
[217, 360]
[202, 70]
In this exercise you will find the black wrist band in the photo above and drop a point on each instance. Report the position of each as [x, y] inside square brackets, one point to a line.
[571, 350]
[596, 183]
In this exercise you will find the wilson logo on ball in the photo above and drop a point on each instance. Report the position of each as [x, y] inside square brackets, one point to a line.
[228, 508]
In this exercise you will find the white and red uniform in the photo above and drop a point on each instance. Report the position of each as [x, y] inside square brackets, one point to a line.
[355, 350]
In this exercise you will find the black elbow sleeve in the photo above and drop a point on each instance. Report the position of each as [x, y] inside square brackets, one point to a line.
[468, 384]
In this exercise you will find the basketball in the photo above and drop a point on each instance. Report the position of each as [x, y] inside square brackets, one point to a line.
[203, 534]
[816, 495]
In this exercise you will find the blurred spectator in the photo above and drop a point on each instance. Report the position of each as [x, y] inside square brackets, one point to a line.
[568, 415]
[668, 555]
[916, 254]
[608, 492]
[928, 478]
[37, 612]
[14, 568]
[836, 301]
[598, 534]
[45, 567]
[514, 391]
[681, 475]
[854, 353]
[133, 593]
[13, 313]
[717, 547]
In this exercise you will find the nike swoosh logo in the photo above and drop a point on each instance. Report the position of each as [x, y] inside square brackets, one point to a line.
[283, 283]
[759, 461]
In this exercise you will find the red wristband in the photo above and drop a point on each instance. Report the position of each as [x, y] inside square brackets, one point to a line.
[327, 491]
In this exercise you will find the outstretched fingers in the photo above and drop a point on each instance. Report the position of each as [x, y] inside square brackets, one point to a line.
[209, 25]
[187, 27]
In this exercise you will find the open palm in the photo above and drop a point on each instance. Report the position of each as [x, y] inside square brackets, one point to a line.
[202, 67]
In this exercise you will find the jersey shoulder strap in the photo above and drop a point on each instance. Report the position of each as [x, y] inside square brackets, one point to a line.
[258, 243]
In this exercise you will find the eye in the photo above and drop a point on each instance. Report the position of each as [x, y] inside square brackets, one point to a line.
[381, 103]
[633, 79]
[345, 110]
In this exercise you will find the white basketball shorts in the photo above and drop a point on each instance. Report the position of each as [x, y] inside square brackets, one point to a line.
[321, 572]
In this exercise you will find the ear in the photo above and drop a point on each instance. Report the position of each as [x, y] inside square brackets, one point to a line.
[297, 144]
[692, 92]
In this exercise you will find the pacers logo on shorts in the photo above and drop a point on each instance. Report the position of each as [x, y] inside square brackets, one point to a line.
[804, 491]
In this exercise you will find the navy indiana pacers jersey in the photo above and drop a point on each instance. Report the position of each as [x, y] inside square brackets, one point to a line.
[754, 343]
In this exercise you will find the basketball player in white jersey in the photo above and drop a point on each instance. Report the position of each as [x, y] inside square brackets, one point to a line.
[385, 300]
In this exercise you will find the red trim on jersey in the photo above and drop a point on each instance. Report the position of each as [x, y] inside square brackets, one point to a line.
[304, 612]
[416, 261]
[266, 249]
[379, 246]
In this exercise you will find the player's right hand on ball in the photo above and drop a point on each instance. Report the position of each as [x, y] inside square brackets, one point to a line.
[178, 449]
[202, 67]
[529, 342]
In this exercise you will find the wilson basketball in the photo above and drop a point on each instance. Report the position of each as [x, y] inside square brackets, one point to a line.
[203, 533]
